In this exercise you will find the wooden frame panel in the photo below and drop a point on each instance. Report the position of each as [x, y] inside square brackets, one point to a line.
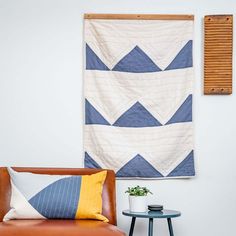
[218, 47]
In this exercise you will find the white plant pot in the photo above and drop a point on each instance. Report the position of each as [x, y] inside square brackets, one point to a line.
[138, 203]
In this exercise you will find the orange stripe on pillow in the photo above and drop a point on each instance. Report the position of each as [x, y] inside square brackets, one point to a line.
[90, 200]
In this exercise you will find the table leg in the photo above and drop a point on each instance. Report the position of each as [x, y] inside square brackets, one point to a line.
[150, 228]
[170, 226]
[132, 226]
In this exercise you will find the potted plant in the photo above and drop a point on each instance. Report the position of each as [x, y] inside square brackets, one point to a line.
[138, 198]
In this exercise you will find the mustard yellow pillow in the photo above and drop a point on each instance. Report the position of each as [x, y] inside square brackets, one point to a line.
[90, 202]
[39, 196]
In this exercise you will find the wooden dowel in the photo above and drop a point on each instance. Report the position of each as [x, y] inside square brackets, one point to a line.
[138, 17]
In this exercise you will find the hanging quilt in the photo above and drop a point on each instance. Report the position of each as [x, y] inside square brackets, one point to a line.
[138, 97]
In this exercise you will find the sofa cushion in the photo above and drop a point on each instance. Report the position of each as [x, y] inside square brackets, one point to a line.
[58, 227]
[39, 196]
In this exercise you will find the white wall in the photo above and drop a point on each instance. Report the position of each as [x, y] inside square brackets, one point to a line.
[41, 107]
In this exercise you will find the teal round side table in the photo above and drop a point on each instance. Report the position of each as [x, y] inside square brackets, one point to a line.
[168, 214]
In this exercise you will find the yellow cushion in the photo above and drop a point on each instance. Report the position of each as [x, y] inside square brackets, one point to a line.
[39, 196]
[90, 200]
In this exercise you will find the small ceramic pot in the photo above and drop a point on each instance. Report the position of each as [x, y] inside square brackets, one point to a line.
[138, 203]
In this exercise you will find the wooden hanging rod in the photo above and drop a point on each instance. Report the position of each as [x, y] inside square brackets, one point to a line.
[138, 17]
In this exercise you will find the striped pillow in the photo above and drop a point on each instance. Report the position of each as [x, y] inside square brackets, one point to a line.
[39, 196]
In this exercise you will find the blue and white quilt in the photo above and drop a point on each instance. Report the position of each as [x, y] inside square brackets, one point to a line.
[138, 97]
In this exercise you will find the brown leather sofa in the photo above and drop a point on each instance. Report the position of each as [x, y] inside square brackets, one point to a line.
[59, 227]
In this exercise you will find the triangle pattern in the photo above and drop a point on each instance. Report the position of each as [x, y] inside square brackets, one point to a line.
[136, 61]
[92, 116]
[89, 162]
[138, 167]
[137, 116]
[183, 59]
[20, 180]
[93, 62]
[185, 168]
[26, 209]
[184, 113]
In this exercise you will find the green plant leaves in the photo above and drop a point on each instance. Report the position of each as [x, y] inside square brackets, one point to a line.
[138, 191]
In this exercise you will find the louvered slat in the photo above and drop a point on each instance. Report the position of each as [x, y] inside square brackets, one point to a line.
[218, 54]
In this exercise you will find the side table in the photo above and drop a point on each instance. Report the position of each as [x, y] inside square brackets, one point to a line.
[168, 214]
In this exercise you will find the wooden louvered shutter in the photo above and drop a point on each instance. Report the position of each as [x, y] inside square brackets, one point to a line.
[218, 54]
